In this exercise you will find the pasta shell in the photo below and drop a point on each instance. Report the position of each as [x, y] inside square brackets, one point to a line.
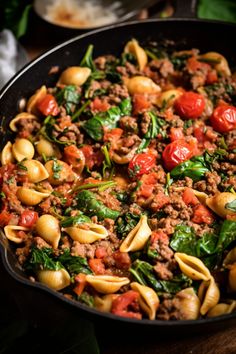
[45, 147]
[222, 309]
[59, 172]
[230, 258]
[168, 98]
[123, 159]
[87, 232]
[54, 279]
[6, 154]
[219, 201]
[232, 277]
[106, 284]
[148, 299]
[193, 267]
[209, 295]
[104, 303]
[37, 96]
[74, 75]
[137, 237]
[36, 172]
[189, 304]
[30, 196]
[141, 84]
[47, 226]
[134, 48]
[23, 149]
[222, 67]
[18, 117]
[11, 232]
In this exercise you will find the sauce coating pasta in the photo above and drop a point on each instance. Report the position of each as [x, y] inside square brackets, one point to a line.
[119, 187]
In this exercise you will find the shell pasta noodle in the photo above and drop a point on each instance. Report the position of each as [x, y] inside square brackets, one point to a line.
[118, 188]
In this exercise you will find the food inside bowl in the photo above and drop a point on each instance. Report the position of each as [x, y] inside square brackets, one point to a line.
[81, 14]
[118, 189]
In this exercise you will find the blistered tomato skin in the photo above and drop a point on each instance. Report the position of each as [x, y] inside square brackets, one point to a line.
[48, 105]
[190, 105]
[223, 118]
[176, 152]
[140, 164]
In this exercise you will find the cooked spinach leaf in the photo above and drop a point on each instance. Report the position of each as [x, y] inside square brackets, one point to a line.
[126, 222]
[154, 129]
[144, 274]
[74, 264]
[227, 234]
[74, 220]
[94, 126]
[68, 97]
[41, 259]
[88, 204]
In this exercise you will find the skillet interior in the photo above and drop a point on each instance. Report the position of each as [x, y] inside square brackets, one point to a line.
[187, 34]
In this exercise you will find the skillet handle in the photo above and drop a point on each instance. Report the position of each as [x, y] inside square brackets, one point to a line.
[185, 9]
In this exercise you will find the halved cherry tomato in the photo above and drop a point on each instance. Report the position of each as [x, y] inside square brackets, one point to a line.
[176, 133]
[122, 302]
[28, 218]
[140, 164]
[202, 215]
[48, 105]
[223, 118]
[190, 105]
[176, 152]
[5, 217]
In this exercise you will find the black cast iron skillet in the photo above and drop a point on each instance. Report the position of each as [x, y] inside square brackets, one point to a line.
[186, 33]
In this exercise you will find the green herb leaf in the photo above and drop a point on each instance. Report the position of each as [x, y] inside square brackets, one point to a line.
[74, 264]
[74, 220]
[126, 223]
[88, 204]
[41, 259]
[68, 97]
[94, 126]
[87, 60]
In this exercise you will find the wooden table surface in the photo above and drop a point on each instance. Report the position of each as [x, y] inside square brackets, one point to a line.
[218, 342]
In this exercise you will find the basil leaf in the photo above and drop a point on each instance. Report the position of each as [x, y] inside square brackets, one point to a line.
[69, 97]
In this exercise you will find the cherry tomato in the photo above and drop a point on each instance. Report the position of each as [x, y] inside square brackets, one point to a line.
[140, 164]
[190, 105]
[176, 152]
[28, 218]
[48, 105]
[223, 118]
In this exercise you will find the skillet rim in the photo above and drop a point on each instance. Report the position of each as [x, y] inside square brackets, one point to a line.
[73, 303]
